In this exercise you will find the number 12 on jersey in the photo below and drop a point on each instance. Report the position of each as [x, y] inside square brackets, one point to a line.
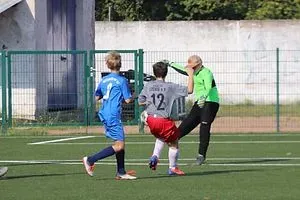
[160, 97]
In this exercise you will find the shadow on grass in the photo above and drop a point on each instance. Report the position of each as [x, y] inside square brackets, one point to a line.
[27, 164]
[256, 161]
[203, 173]
[7, 177]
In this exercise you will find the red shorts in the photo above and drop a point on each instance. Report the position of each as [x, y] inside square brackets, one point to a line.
[163, 128]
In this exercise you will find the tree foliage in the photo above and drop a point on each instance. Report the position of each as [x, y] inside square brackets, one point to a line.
[135, 10]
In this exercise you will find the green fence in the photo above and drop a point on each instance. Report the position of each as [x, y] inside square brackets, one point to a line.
[259, 89]
[3, 91]
[46, 88]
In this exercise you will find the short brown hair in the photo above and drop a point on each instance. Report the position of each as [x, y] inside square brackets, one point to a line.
[113, 60]
[160, 70]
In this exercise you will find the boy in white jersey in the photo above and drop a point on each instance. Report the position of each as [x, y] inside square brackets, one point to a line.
[158, 96]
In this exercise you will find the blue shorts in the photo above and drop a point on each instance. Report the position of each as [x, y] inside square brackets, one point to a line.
[115, 132]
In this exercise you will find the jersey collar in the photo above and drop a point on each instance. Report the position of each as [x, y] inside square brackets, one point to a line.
[197, 72]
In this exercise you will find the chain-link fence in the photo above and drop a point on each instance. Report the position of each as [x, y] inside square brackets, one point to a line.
[259, 90]
[46, 88]
[289, 90]
[2, 91]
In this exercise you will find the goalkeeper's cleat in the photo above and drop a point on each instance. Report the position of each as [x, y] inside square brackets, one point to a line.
[130, 175]
[200, 159]
[175, 171]
[3, 171]
[88, 168]
[153, 162]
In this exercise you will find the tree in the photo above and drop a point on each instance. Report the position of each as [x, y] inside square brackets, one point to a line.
[133, 10]
[208, 10]
[275, 9]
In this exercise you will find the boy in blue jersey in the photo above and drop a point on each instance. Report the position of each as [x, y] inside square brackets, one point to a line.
[113, 90]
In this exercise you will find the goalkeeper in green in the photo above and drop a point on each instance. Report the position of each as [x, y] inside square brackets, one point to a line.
[206, 103]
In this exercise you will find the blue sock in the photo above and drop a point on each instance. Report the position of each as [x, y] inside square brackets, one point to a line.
[120, 156]
[109, 151]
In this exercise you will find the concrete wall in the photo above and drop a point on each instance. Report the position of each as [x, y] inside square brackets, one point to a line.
[27, 27]
[18, 32]
[17, 27]
[242, 54]
[199, 35]
[85, 29]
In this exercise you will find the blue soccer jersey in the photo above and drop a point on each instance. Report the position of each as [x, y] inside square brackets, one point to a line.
[114, 90]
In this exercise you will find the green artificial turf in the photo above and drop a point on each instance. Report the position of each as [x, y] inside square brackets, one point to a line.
[238, 167]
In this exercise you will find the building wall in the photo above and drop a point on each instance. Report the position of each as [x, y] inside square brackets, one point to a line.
[17, 27]
[28, 27]
[19, 34]
[242, 77]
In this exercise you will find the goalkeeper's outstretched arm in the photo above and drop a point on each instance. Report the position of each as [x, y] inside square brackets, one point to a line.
[179, 68]
[188, 71]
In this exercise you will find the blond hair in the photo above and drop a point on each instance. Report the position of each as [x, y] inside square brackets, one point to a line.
[113, 60]
[195, 59]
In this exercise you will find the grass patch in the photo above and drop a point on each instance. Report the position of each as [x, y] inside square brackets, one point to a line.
[247, 182]
[248, 109]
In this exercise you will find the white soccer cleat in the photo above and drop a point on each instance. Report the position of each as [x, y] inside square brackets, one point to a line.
[144, 116]
[200, 159]
[3, 171]
[88, 168]
[125, 177]
[130, 175]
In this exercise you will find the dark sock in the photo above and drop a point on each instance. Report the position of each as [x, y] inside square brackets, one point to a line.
[120, 156]
[109, 151]
[204, 138]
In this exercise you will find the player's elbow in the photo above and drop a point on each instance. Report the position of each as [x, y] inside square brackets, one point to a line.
[142, 103]
[128, 100]
[97, 98]
[190, 90]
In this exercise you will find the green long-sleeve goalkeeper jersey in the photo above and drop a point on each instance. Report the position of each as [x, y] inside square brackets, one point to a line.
[204, 83]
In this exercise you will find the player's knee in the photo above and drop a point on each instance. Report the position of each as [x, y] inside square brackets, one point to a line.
[119, 146]
[173, 147]
[173, 144]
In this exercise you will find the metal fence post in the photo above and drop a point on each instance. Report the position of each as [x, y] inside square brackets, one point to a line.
[86, 78]
[277, 93]
[91, 86]
[136, 86]
[9, 89]
[141, 84]
[4, 106]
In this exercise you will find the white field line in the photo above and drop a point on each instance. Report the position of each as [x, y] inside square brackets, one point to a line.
[145, 164]
[53, 142]
[148, 135]
[61, 140]
[161, 159]
[255, 164]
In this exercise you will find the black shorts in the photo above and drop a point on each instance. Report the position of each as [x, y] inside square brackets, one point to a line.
[198, 115]
[208, 112]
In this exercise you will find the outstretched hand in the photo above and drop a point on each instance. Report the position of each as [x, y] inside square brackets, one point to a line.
[189, 70]
[167, 62]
